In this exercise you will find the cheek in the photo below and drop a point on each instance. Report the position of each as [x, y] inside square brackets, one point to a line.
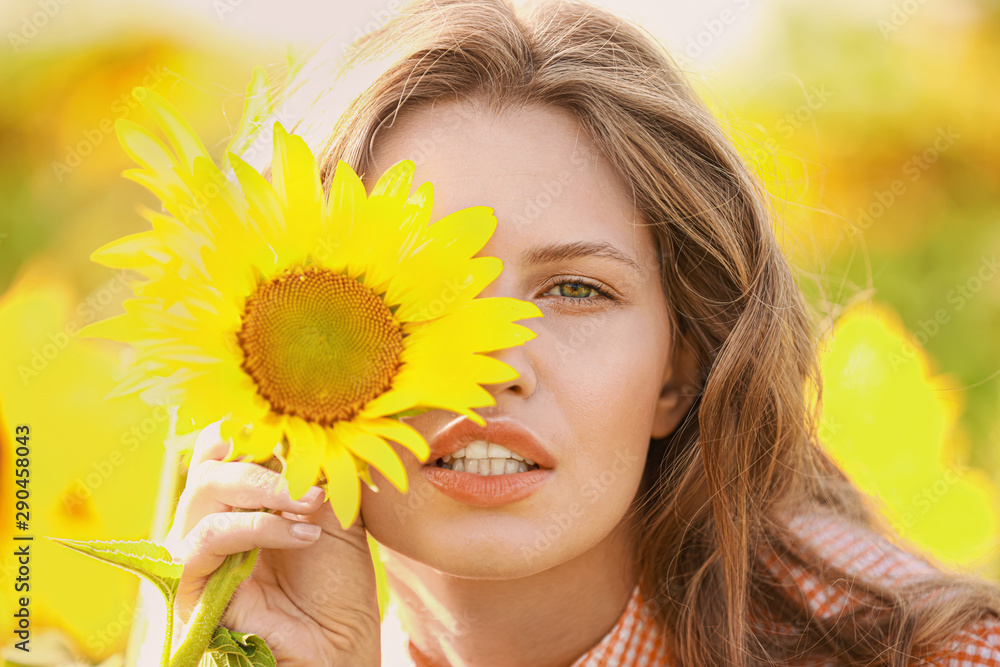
[604, 373]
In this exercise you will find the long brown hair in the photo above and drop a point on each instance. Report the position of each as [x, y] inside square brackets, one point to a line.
[719, 490]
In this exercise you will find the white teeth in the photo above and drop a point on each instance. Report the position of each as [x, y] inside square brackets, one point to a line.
[488, 466]
[500, 466]
[495, 451]
[486, 458]
[477, 449]
[480, 449]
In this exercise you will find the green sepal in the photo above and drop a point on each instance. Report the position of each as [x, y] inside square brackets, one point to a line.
[236, 649]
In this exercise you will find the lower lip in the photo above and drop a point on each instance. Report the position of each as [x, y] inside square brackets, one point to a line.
[486, 490]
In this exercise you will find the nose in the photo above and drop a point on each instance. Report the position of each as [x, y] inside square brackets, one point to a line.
[519, 358]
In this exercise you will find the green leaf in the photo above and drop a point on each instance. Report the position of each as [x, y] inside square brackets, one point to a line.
[236, 649]
[142, 557]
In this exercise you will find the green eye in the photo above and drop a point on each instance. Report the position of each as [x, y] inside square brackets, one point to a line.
[579, 293]
[575, 290]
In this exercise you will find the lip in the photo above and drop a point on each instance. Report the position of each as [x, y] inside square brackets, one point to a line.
[506, 432]
[490, 490]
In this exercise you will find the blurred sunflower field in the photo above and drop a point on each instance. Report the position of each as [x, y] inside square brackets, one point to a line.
[874, 125]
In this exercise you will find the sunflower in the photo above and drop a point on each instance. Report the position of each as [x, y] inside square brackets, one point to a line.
[306, 323]
[96, 481]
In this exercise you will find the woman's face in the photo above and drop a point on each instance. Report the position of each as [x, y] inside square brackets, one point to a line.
[591, 385]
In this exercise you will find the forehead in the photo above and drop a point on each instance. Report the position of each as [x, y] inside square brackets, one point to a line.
[533, 165]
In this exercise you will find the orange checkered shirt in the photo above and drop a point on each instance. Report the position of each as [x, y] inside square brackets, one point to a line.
[636, 640]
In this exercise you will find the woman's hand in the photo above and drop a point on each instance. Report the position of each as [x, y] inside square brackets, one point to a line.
[311, 596]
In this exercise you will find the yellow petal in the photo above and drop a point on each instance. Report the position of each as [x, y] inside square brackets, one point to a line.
[415, 386]
[394, 234]
[344, 217]
[225, 391]
[295, 176]
[364, 473]
[454, 362]
[231, 427]
[443, 288]
[201, 299]
[124, 328]
[378, 244]
[437, 376]
[135, 380]
[444, 393]
[343, 486]
[264, 206]
[179, 133]
[306, 449]
[144, 147]
[215, 194]
[233, 278]
[482, 325]
[423, 199]
[464, 232]
[175, 196]
[260, 441]
[132, 252]
[395, 183]
[390, 402]
[377, 452]
[397, 431]
[183, 242]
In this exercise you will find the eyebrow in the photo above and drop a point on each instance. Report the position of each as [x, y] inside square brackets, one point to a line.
[555, 252]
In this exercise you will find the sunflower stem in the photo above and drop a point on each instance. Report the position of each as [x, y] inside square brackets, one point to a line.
[211, 605]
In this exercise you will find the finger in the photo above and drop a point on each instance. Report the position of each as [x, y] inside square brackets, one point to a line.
[250, 486]
[219, 535]
[209, 445]
[325, 517]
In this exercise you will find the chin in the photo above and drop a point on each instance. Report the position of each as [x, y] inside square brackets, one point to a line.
[478, 546]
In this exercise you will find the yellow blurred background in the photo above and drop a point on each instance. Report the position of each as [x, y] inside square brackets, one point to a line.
[875, 125]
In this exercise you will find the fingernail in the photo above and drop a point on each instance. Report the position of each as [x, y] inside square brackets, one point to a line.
[311, 496]
[305, 531]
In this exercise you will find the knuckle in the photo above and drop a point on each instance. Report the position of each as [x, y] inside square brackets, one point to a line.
[196, 486]
[246, 499]
[197, 478]
[263, 481]
[255, 522]
[209, 529]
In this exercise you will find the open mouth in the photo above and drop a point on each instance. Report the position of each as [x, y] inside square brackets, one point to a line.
[486, 458]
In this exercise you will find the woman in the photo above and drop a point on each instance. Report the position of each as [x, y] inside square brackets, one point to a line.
[682, 511]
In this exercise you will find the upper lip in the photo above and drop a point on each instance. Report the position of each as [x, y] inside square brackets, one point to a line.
[506, 432]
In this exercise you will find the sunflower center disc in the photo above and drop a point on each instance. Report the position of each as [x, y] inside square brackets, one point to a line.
[319, 345]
